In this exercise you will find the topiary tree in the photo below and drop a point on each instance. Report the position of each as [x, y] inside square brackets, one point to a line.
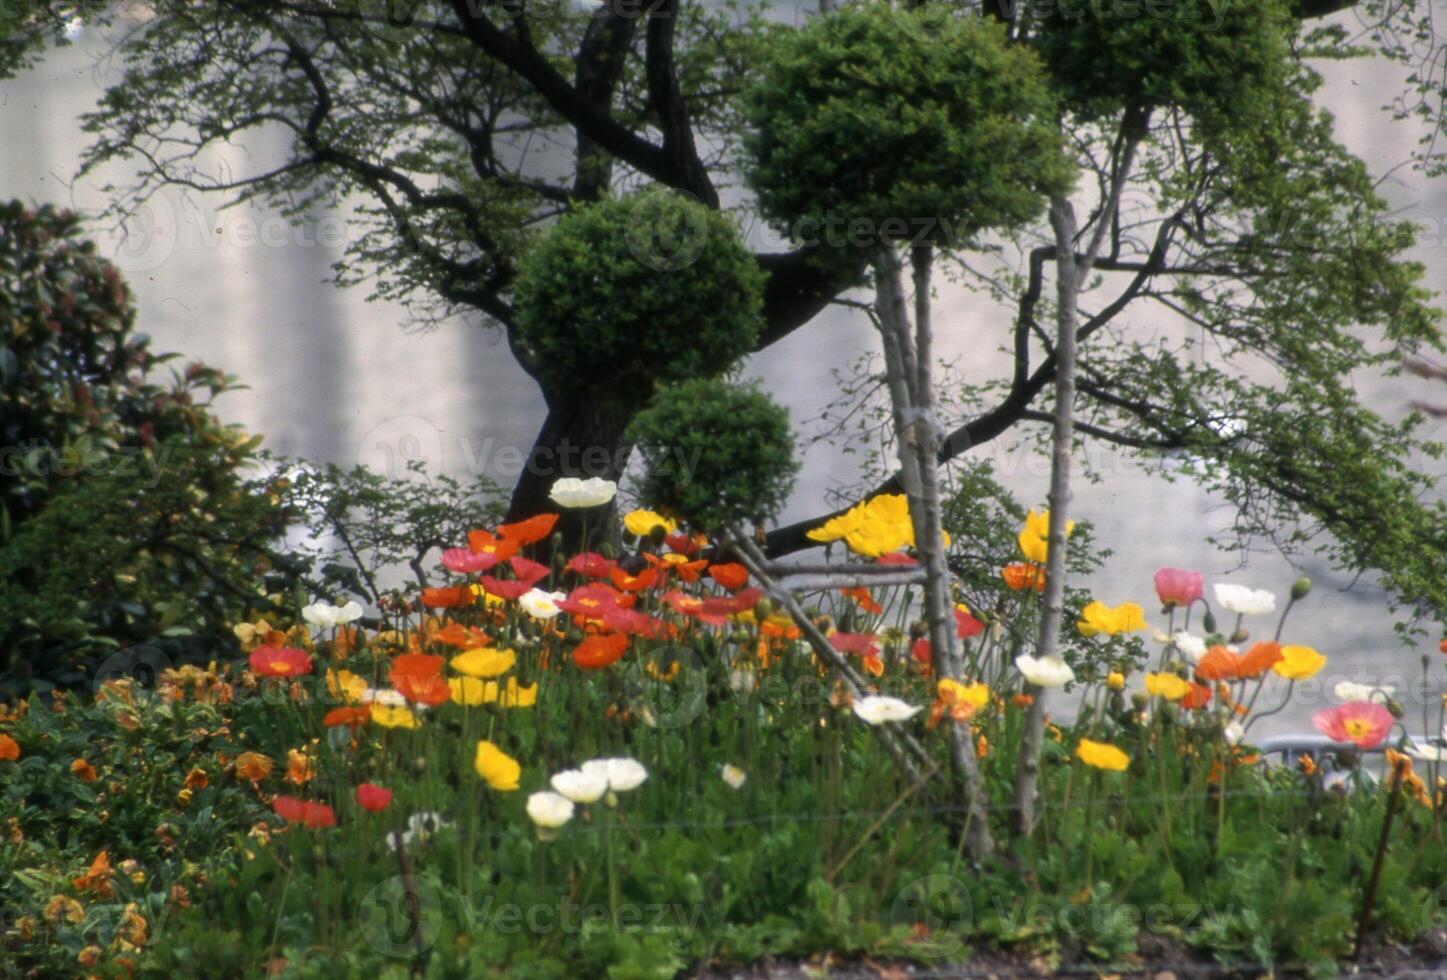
[637, 290]
[618, 297]
[715, 454]
[1212, 59]
[919, 123]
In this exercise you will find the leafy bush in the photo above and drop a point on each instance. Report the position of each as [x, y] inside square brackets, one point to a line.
[920, 121]
[715, 453]
[634, 290]
[1212, 58]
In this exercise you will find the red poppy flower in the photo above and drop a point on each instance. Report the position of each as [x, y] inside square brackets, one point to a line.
[685, 544]
[487, 543]
[530, 531]
[864, 644]
[645, 579]
[1197, 697]
[630, 621]
[921, 651]
[591, 564]
[504, 589]
[741, 601]
[465, 561]
[730, 575]
[860, 597]
[314, 815]
[269, 661]
[966, 625]
[447, 597]
[590, 601]
[528, 570]
[347, 715]
[600, 651]
[373, 799]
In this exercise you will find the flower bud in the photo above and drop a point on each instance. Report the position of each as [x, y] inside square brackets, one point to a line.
[1209, 622]
[1240, 636]
[1115, 680]
[1395, 707]
[764, 608]
[1300, 589]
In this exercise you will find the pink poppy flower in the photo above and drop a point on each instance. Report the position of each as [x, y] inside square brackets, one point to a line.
[1175, 587]
[1364, 722]
[464, 561]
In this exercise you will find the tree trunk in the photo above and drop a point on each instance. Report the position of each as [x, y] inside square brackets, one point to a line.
[580, 438]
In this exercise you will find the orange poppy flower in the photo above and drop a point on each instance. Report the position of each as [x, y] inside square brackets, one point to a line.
[730, 575]
[1020, 576]
[299, 767]
[354, 716]
[447, 597]
[861, 598]
[527, 532]
[196, 779]
[1258, 660]
[418, 678]
[645, 579]
[466, 637]
[487, 543]
[1218, 664]
[98, 878]
[600, 651]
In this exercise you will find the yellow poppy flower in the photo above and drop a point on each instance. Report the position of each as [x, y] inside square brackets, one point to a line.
[1034, 537]
[484, 662]
[1101, 755]
[977, 695]
[837, 528]
[642, 523]
[1298, 663]
[1172, 687]
[390, 716]
[1100, 618]
[345, 685]
[498, 769]
[469, 691]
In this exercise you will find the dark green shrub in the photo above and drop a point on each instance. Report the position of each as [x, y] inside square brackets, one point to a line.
[1211, 58]
[630, 291]
[921, 124]
[715, 453]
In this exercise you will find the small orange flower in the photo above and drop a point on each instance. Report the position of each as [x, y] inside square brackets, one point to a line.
[83, 770]
[466, 637]
[98, 878]
[252, 766]
[9, 749]
[861, 598]
[196, 779]
[300, 768]
[348, 715]
[447, 597]
[645, 579]
[1020, 576]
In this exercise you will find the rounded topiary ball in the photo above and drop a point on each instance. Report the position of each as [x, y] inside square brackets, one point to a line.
[1211, 58]
[873, 124]
[629, 291]
[715, 453]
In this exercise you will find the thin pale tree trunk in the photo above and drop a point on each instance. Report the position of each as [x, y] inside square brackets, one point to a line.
[908, 374]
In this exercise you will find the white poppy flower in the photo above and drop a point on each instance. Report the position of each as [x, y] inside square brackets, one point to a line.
[1425, 752]
[1352, 691]
[580, 786]
[549, 810]
[1190, 644]
[621, 774]
[324, 615]
[1234, 733]
[1243, 601]
[539, 604]
[734, 776]
[877, 709]
[572, 492]
[420, 827]
[388, 698]
[1048, 671]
